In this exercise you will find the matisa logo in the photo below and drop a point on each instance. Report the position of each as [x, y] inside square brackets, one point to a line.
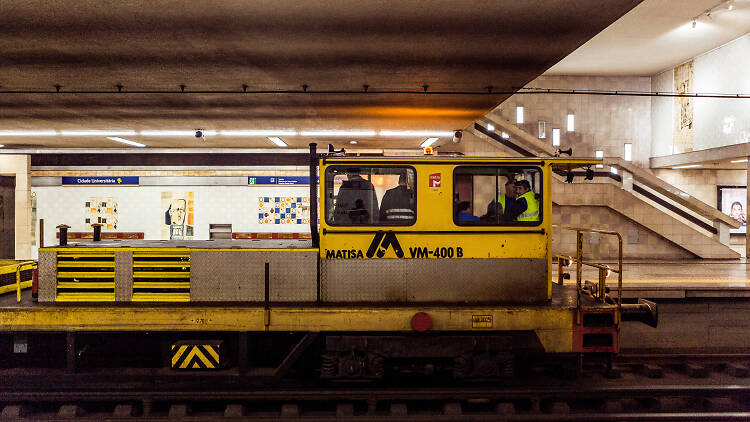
[435, 180]
[378, 247]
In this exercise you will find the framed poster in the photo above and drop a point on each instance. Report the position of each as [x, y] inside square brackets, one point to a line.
[732, 201]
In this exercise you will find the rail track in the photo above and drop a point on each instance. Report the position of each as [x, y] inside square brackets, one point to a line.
[667, 387]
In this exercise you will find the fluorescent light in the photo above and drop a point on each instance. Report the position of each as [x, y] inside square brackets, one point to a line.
[490, 127]
[744, 160]
[337, 133]
[504, 135]
[427, 142]
[353, 142]
[97, 133]
[169, 133]
[416, 133]
[276, 140]
[519, 115]
[571, 122]
[555, 137]
[689, 166]
[599, 154]
[2, 146]
[542, 129]
[628, 152]
[28, 133]
[613, 170]
[125, 141]
[253, 132]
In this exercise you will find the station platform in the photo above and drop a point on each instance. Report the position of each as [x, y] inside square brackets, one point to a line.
[662, 279]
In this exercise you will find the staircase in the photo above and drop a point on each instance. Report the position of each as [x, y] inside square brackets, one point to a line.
[633, 193]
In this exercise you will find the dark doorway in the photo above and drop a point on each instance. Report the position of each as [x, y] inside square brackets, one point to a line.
[7, 217]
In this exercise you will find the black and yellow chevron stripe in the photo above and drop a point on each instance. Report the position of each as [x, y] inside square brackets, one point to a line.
[189, 355]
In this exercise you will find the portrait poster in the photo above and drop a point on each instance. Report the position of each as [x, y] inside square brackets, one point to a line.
[732, 201]
[177, 215]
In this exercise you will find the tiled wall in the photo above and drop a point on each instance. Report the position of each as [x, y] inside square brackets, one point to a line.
[601, 122]
[141, 210]
[638, 241]
[702, 183]
[717, 122]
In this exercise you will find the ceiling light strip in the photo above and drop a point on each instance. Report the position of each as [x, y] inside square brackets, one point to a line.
[253, 132]
[338, 133]
[416, 133]
[98, 133]
[28, 133]
[278, 141]
[167, 133]
[125, 141]
[427, 142]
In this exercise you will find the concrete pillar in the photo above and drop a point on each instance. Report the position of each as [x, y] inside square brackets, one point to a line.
[19, 165]
[627, 180]
[722, 232]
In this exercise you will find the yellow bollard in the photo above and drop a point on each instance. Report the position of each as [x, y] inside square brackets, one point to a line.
[18, 283]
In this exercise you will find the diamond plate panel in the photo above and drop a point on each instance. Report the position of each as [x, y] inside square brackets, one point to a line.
[123, 276]
[517, 280]
[292, 276]
[371, 280]
[432, 280]
[47, 267]
[221, 276]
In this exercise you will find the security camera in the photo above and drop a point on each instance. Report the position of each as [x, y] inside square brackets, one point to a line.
[457, 136]
[199, 133]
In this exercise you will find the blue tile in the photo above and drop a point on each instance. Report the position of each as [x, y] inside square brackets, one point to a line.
[277, 221]
[277, 199]
[294, 205]
[299, 221]
[260, 215]
[265, 199]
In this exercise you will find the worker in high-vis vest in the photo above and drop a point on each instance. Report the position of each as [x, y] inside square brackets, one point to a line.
[527, 206]
[506, 201]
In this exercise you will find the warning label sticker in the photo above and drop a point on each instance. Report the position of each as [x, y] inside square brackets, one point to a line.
[481, 321]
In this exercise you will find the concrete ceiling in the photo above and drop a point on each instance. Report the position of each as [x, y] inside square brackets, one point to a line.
[453, 45]
[657, 35]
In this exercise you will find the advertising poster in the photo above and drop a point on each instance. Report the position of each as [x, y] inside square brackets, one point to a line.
[732, 201]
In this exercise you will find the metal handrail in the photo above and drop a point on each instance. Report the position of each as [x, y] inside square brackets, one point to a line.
[603, 269]
[18, 268]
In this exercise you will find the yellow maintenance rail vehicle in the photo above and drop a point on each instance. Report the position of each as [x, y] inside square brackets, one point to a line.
[434, 264]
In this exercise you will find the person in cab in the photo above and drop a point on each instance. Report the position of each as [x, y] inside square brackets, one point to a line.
[526, 207]
[497, 208]
[356, 202]
[463, 213]
[398, 203]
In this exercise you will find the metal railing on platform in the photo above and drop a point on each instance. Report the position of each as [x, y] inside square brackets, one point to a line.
[604, 270]
[16, 267]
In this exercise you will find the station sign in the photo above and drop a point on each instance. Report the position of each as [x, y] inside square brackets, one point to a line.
[101, 181]
[278, 180]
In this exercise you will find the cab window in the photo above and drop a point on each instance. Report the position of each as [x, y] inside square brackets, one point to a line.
[497, 196]
[370, 196]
